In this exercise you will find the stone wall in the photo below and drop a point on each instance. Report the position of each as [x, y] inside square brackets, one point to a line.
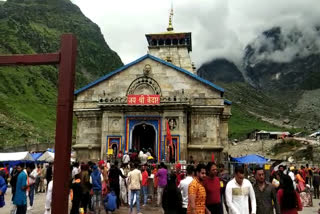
[179, 56]
[198, 109]
[206, 133]
[88, 135]
[205, 127]
[88, 154]
[171, 82]
[112, 124]
[204, 155]
[224, 128]
[36, 147]
[180, 117]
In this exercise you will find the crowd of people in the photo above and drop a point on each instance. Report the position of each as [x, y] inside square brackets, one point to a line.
[25, 181]
[193, 189]
[103, 187]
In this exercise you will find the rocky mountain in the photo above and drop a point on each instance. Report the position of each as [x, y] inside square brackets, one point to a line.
[279, 76]
[222, 71]
[28, 93]
[282, 60]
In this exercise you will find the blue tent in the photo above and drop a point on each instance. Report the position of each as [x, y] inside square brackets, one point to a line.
[15, 158]
[50, 150]
[250, 159]
[35, 156]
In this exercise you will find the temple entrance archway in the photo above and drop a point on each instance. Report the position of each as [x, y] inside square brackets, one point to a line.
[144, 136]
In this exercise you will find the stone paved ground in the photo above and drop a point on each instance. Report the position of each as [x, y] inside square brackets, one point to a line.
[150, 209]
[38, 207]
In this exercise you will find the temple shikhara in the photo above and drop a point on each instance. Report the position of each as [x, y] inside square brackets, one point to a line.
[135, 106]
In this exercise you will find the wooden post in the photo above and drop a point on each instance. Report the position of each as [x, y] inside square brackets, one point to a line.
[63, 141]
[66, 59]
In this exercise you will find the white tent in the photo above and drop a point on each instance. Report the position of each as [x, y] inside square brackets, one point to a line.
[16, 156]
[47, 157]
[315, 134]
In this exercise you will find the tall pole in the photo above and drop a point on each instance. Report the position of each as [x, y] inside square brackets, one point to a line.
[61, 174]
[66, 59]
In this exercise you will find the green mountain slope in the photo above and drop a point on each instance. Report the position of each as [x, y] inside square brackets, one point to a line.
[28, 94]
[250, 106]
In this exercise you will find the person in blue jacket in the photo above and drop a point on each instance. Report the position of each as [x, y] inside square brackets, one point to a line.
[96, 180]
[3, 188]
[110, 202]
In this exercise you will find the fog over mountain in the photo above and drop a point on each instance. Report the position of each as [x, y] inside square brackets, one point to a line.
[220, 29]
[282, 45]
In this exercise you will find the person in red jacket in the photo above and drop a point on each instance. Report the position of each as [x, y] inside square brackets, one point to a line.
[288, 198]
[212, 186]
[145, 184]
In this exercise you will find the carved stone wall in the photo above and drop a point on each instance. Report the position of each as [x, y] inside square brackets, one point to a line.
[88, 137]
[205, 129]
[206, 133]
[178, 56]
[178, 115]
[197, 111]
[172, 83]
[88, 127]
[112, 125]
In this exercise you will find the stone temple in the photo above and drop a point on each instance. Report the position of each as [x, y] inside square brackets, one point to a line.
[135, 105]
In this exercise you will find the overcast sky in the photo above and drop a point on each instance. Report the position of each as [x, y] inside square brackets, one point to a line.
[220, 28]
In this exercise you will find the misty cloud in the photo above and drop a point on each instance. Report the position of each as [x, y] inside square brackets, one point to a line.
[220, 28]
[292, 42]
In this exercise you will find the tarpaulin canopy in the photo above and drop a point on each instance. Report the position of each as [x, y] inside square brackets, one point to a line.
[47, 157]
[250, 159]
[15, 156]
[35, 156]
[315, 134]
[50, 150]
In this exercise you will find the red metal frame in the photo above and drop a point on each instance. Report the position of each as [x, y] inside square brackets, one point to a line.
[66, 59]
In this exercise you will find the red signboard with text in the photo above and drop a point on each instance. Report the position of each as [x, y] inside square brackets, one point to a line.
[143, 99]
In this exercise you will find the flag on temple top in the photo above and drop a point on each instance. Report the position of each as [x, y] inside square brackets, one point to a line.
[169, 138]
[212, 157]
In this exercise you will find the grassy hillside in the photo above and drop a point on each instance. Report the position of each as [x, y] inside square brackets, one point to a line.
[249, 105]
[28, 93]
[242, 123]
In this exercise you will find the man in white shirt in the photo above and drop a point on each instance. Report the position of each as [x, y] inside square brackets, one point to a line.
[291, 174]
[183, 186]
[31, 179]
[238, 191]
[48, 198]
[144, 159]
[125, 158]
[134, 180]
[75, 169]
